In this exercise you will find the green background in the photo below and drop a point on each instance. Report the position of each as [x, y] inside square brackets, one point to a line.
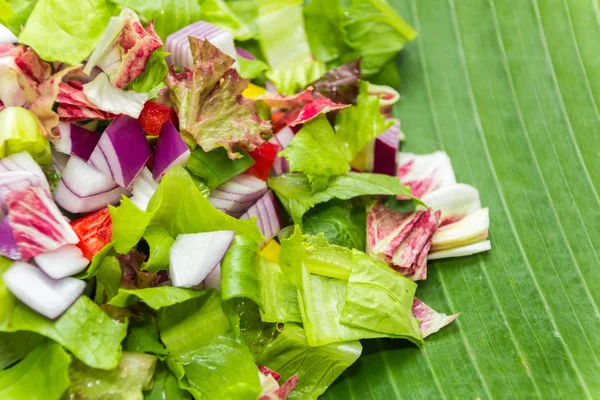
[510, 89]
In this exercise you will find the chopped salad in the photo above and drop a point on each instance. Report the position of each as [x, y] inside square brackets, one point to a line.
[208, 200]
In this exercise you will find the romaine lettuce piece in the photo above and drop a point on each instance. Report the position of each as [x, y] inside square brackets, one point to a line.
[20, 130]
[239, 271]
[279, 297]
[216, 167]
[15, 346]
[166, 386]
[337, 223]
[154, 297]
[159, 242]
[143, 338]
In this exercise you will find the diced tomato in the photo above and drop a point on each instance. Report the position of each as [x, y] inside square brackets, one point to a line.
[94, 232]
[154, 115]
[264, 157]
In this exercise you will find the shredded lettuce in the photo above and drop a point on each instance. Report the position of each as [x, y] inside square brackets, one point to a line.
[279, 297]
[215, 167]
[43, 374]
[295, 192]
[73, 26]
[20, 130]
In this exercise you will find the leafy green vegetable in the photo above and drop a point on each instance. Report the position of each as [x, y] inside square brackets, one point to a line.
[178, 207]
[221, 369]
[315, 151]
[154, 74]
[323, 21]
[216, 167]
[15, 346]
[14, 13]
[166, 386]
[84, 329]
[96, 261]
[22, 131]
[239, 271]
[316, 367]
[74, 29]
[250, 69]
[295, 77]
[43, 374]
[126, 382]
[358, 125]
[335, 222]
[279, 297]
[294, 190]
[218, 13]
[189, 325]
[160, 242]
[108, 279]
[155, 297]
[143, 338]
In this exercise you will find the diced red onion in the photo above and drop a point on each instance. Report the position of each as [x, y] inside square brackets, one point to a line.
[38, 225]
[43, 294]
[122, 151]
[213, 280]
[267, 217]
[76, 140]
[65, 261]
[24, 162]
[170, 150]
[8, 245]
[194, 256]
[143, 189]
[386, 150]
[59, 161]
[244, 54]
[237, 195]
[283, 139]
[82, 188]
[178, 45]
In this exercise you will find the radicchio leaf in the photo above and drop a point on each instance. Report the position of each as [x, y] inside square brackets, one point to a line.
[425, 173]
[73, 103]
[38, 225]
[431, 320]
[209, 102]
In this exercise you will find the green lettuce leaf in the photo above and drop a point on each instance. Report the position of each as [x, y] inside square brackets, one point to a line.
[155, 297]
[279, 297]
[317, 367]
[210, 105]
[218, 12]
[166, 386]
[154, 74]
[323, 21]
[96, 262]
[292, 78]
[375, 32]
[295, 192]
[22, 131]
[126, 382]
[239, 271]
[143, 338]
[43, 374]
[178, 207]
[215, 167]
[336, 222]
[15, 346]
[190, 325]
[73, 26]
[14, 13]
[250, 69]
[315, 151]
[108, 279]
[221, 369]
[358, 125]
[160, 242]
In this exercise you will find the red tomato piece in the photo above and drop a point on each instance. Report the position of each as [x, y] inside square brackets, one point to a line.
[264, 157]
[154, 115]
[94, 232]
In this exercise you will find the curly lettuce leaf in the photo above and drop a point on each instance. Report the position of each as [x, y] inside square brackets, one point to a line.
[143, 338]
[209, 102]
[74, 27]
[340, 84]
[108, 279]
[215, 167]
[177, 206]
[133, 374]
[316, 152]
[295, 192]
[43, 374]
[292, 78]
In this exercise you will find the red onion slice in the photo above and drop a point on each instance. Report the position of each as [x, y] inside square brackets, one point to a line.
[76, 140]
[282, 139]
[267, 217]
[170, 150]
[237, 195]
[24, 162]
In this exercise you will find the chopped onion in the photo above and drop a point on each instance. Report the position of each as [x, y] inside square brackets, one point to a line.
[178, 44]
[237, 195]
[24, 162]
[65, 261]
[244, 54]
[386, 149]
[194, 256]
[267, 217]
[6, 36]
[213, 280]
[170, 150]
[8, 245]
[122, 151]
[283, 139]
[143, 189]
[82, 188]
[43, 294]
[59, 161]
[76, 140]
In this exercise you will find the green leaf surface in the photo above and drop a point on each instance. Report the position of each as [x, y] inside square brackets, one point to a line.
[32, 378]
[15, 346]
[166, 386]
[239, 271]
[216, 167]
[510, 90]
[143, 338]
[155, 297]
[108, 279]
[160, 242]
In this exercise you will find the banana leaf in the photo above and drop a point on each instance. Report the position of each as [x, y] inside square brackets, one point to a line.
[510, 89]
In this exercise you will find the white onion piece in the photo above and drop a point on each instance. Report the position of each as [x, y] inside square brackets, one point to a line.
[143, 189]
[6, 36]
[461, 251]
[267, 217]
[66, 261]
[8, 244]
[237, 195]
[178, 44]
[194, 256]
[59, 161]
[82, 188]
[213, 280]
[76, 140]
[282, 139]
[170, 150]
[122, 151]
[43, 294]
[24, 162]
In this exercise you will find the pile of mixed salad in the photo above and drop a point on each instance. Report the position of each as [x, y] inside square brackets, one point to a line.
[171, 230]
